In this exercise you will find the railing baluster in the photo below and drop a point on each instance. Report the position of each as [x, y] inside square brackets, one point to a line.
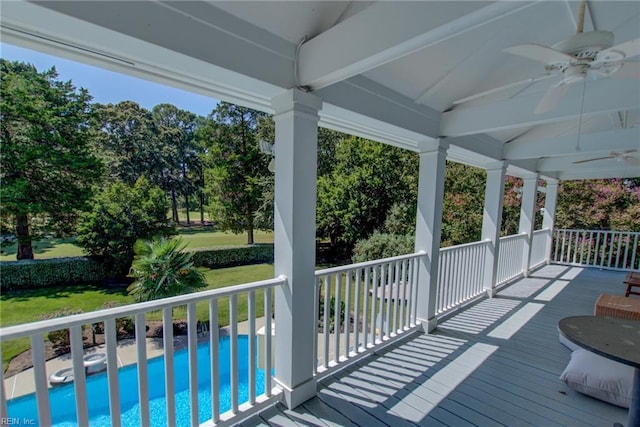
[143, 378]
[110, 337]
[213, 355]
[337, 313]
[589, 248]
[268, 342]
[627, 242]
[316, 317]
[326, 322]
[169, 378]
[380, 299]
[374, 305]
[396, 296]
[347, 314]
[405, 299]
[633, 256]
[365, 310]
[414, 294]
[612, 239]
[617, 263]
[79, 377]
[356, 310]
[40, 378]
[251, 314]
[233, 351]
[192, 348]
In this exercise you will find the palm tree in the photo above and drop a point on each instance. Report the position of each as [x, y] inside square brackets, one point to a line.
[162, 269]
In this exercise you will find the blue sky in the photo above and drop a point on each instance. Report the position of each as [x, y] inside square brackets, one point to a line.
[109, 87]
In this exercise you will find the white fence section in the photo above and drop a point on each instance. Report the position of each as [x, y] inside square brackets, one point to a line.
[460, 274]
[362, 305]
[539, 249]
[616, 250]
[258, 297]
[511, 249]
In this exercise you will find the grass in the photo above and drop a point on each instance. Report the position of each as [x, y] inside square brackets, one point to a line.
[18, 307]
[194, 237]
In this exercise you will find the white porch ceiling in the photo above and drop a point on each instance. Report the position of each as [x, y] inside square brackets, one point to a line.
[389, 71]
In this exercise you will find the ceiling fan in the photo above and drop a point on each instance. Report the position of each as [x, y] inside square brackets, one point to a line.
[622, 156]
[586, 53]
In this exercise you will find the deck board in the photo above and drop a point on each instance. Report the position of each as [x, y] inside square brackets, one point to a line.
[430, 380]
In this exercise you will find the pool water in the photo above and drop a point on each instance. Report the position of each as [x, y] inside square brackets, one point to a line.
[62, 400]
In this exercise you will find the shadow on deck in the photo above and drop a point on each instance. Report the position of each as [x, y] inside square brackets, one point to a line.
[496, 362]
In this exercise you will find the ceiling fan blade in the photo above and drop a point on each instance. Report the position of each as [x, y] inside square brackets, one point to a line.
[594, 159]
[627, 70]
[529, 81]
[551, 98]
[539, 53]
[627, 49]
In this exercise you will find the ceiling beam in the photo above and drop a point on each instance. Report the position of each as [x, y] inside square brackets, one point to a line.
[384, 32]
[627, 172]
[565, 164]
[602, 96]
[612, 140]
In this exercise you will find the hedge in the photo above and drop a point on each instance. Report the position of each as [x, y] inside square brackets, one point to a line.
[28, 274]
[232, 256]
[50, 272]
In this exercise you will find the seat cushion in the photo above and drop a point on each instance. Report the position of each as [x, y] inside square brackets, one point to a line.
[599, 377]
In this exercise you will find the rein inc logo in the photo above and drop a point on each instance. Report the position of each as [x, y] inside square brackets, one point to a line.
[9, 421]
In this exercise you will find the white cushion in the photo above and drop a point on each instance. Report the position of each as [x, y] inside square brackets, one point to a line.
[565, 341]
[599, 377]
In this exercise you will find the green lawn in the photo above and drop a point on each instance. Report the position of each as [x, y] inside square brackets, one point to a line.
[195, 238]
[18, 307]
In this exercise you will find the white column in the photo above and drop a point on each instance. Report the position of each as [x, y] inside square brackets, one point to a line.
[491, 221]
[548, 219]
[296, 120]
[527, 218]
[433, 156]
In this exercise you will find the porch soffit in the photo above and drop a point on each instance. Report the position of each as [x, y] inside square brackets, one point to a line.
[391, 80]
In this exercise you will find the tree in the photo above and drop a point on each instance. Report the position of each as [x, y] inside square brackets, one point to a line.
[175, 131]
[236, 167]
[367, 179]
[602, 204]
[121, 215]
[47, 164]
[126, 138]
[163, 269]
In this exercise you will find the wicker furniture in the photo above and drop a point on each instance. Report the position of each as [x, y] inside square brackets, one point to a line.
[617, 306]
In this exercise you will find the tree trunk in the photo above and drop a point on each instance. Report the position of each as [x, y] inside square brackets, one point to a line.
[186, 202]
[25, 250]
[250, 239]
[174, 206]
[202, 208]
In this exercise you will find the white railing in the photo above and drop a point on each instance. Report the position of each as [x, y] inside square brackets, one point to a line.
[511, 249]
[539, 249]
[616, 250]
[252, 294]
[460, 274]
[362, 305]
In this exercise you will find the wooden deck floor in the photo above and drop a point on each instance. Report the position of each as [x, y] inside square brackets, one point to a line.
[495, 363]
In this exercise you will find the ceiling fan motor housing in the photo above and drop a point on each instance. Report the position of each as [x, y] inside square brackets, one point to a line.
[586, 45]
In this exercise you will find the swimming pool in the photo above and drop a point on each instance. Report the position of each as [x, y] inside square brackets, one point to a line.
[63, 408]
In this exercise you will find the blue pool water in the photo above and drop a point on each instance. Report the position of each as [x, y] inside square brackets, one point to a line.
[63, 408]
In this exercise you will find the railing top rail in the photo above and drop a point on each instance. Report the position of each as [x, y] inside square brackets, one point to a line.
[514, 236]
[466, 245]
[342, 268]
[48, 325]
[597, 231]
[542, 230]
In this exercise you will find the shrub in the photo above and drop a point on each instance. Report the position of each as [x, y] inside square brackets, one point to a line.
[381, 245]
[233, 256]
[61, 338]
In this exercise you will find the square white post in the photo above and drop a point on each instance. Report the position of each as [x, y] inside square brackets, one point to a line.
[527, 218]
[296, 120]
[548, 219]
[491, 222]
[433, 156]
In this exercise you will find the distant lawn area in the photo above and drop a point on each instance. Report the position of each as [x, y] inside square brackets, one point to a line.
[17, 307]
[195, 238]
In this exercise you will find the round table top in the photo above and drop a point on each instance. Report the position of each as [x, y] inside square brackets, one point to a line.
[615, 339]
